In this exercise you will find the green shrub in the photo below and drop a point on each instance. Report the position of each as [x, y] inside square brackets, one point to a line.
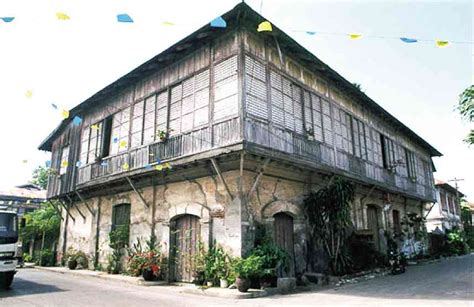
[272, 256]
[27, 257]
[249, 267]
[47, 258]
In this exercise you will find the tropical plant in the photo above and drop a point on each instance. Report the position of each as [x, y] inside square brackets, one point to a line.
[328, 214]
[272, 256]
[455, 242]
[149, 258]
[249, 267]
[216, 264]
[466, 109]
[118, 241]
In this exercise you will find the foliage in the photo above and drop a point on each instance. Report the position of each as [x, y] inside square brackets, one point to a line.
[40, 177]
[456, 243]
[79, 256]
[27, 257]
[328, 213]
[466, 109]
[216, 264]
[148, 258]
[47, 258]
[413, 226]
[45, 219]
[362, 253]
[467, 225]
[272, 257]
[118, 241]
[248, 267]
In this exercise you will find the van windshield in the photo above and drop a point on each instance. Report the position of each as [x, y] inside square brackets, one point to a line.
[8, 228]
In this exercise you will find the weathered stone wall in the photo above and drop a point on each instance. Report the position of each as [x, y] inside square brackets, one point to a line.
[231, 222]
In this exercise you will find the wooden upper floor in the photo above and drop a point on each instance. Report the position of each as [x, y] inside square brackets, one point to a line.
[236, 89]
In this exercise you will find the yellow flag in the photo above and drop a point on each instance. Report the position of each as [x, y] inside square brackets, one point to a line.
[355, 36]
[62, 16]
[167, 23]
[167, 165]
[95, 126]
[64, 163]
[123, 144]
[159, 167]
[65, 114]
[442, 44]
[264, 27]
[29, 93]
[125, 166]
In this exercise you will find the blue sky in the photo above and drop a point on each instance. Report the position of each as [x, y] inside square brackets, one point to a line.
[67, 62]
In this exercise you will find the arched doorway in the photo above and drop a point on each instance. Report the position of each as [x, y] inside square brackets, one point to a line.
[373, 216]
[283, 235]
[184, 238]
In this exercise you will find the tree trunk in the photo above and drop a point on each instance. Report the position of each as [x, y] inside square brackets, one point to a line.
[41, 252]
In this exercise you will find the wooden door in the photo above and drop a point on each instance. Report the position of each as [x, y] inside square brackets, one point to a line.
[184, 238]
[373, 224]
[283, 234]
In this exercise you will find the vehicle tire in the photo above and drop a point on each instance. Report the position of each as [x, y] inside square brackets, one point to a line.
[6, 280]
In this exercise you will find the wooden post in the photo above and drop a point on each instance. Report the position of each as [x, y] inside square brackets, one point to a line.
[97, 232]
[67, 210]
[216, 168]
[77, 208]
[85, 203]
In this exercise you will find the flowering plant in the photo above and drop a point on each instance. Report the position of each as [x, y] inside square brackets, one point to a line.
[141, 260]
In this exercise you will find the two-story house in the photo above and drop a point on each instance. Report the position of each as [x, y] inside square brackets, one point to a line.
[222, 134]
[445, 212]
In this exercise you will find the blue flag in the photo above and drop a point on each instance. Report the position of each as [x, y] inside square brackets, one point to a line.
[124, 18]
[219, 22]
[310, 32]
[7, 19]
[77, 120]
[408, 40]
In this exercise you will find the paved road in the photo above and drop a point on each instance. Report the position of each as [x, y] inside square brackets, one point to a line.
[447, 283]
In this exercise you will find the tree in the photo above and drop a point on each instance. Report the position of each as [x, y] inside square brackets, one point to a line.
[466, 109]
[40, 177]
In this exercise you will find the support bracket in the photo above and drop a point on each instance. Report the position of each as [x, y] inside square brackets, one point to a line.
[218, 171]
[257, 179]
[77, 208]
[85, 203]
[67, 210]
[136, 191]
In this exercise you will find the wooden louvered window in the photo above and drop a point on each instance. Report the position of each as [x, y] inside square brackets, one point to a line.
[225, 89]
[442, 198]
[313, 116]
[161, 115]
[410, 164]
[388, 153]
[358, 135]
[256, 91]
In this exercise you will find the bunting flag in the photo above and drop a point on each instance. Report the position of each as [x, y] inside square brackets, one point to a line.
[7, 19]
[167, 165]
[64, 163]
[115, 139]
[78, 164]
[124, 18]
[159, 167]
[48, 163]
[408, 40]
[95, 127]
[104, 163]
[219, 22]
[442, 44]
[65, 114]
[29, 93]
[54, 106]
[167, 23]
[158, 161]
[125, 166]
[355, 36]
[76, 121]
[310, 32]
[123, 144]
[62, 16]
[264, 26]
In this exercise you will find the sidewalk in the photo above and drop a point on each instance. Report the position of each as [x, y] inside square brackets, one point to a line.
[163, 285]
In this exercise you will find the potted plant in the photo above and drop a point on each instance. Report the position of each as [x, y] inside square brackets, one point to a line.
[151, 266]
[245, 269]
[71, 258]
[272, 258]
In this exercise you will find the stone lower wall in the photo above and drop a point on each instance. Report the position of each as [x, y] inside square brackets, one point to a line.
[230, 221]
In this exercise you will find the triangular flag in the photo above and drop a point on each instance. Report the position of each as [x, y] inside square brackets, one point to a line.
[158, 161]
[123, 144]
[62, 16]
[442, 44]
[408, 40]
[104, 163]
[48, 163]
[95, 127]
[219, 22]
[64, 163]
[54, 106]
[77, 120]
[167, 23]
[310, 32]
[7, 19]
[115, 139]
[125, 166]
[355, 36]
[167, 165]
[29, 94]
[65, 114]
[264, 26]
[159, 167]
[78, 164]
[124, 18]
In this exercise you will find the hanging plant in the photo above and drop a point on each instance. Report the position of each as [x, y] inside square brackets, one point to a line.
[328, 214]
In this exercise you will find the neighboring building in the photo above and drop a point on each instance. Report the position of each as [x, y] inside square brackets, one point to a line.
[23, 198]
[445, 213]
[250, 123]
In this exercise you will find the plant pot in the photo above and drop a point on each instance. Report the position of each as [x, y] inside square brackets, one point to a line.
[243, 284]
[148, 275]
[199, 278]
[223, 283]
[210, 284]
[268, 281]
[72, 264]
